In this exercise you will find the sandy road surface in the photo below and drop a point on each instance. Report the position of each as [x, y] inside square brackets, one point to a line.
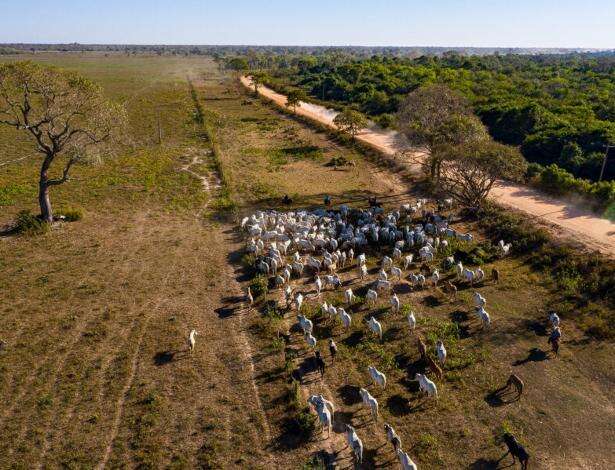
[573, 221]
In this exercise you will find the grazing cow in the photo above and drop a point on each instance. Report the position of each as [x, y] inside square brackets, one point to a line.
[375, 326]
[362, 271]
[412, 321]
[516, 450]
[449, 288]
[435, 368]
[191, 340]
[427, 386]
[355, 443]
[371, 297]
[441, 351]
[377, 376]
[407, 261]
[395, 303]
[332, 349]
[320, 363]
[554, 339]
[348, 296]
[371, 402]
[344, 317]
[405, 460]
[495, 276]
[392, 437]
[421, 347]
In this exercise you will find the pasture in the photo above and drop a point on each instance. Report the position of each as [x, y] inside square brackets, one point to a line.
[96, 313]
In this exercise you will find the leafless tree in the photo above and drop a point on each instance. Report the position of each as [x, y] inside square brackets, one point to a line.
[65, 114]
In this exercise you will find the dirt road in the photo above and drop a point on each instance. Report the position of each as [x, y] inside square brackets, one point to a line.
[570, 220]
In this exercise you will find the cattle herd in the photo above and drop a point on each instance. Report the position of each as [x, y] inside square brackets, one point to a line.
[319, 243]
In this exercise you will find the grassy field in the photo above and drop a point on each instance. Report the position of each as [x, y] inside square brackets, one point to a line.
[95, 313]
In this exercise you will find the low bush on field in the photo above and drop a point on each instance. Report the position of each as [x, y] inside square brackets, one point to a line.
[71, 214]
[29, 224]
[259, 286]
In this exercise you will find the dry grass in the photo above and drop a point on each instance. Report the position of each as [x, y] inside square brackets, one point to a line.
[95, 312]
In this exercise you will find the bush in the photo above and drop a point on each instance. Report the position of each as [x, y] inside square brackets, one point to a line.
[72, 214]
[385, 120]
[338, 161]
[305, 423]
[29, 224]
[259, 286]
[556, 180]
[533, 170]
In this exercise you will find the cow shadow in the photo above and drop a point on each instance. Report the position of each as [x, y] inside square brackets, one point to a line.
[349, 394]
[534, 355]
[162, 358]
[398, 405]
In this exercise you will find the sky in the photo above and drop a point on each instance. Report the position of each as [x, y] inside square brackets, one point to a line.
[445, 23]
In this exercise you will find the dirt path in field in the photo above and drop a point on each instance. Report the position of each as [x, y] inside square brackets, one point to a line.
[570, 220]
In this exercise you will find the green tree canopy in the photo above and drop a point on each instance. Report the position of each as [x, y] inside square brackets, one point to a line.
[294, 98]
[350, 121]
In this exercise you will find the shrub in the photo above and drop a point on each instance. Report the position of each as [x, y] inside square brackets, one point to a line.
[385, 120]
[247, 260]
[305, 423]
[533, 170]
[556, 180]
[29, 224]
[259, 286]
[338, 161]
[72, 214]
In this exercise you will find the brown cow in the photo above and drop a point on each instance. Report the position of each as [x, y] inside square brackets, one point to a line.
[449, 288]
[516, 382]
[495, 276]
[435, 368]
[421, 347]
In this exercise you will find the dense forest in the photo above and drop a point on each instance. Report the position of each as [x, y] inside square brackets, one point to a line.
[560, 109]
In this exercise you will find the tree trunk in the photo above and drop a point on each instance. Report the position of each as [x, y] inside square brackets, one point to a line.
[43, 192]
[44, 202]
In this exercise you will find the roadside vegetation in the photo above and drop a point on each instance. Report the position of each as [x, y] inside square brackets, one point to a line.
[558, 109]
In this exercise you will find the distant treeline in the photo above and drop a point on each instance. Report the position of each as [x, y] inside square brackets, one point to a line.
[222, 50]
[559, 109]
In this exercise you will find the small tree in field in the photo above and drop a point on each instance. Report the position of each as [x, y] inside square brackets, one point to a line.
[258, 79]
[65, 114]
[294, 98]
[469, 171]
[350, 121]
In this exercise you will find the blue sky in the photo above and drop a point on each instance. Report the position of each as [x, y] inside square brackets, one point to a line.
[504, 23]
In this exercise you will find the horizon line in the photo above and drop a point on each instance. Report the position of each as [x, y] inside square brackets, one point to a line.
[575, 48]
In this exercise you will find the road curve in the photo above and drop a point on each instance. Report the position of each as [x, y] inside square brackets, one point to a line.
[570, 220]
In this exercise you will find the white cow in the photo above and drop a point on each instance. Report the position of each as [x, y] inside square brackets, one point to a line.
[377, 377]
